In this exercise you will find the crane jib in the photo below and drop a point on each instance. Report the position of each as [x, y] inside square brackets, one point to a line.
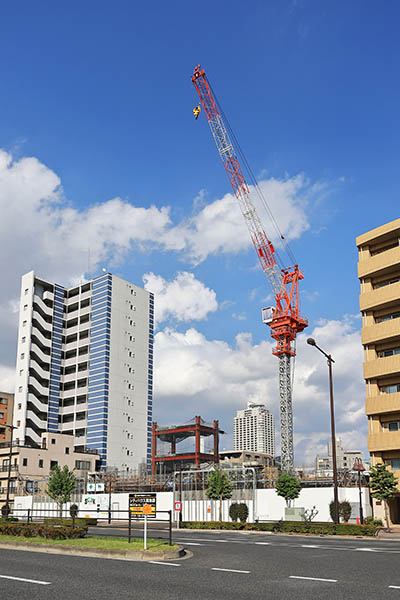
[286, 321]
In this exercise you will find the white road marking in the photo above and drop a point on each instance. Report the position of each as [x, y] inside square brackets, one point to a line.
[161, 562]
[262, 543]
[312, 578]
[394, 587]
[308, 546]
[191, 543]
[26, 580]
[229, 570]
[222, 541]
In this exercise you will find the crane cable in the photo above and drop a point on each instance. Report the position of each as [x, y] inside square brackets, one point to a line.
[264, 203]
[255, 184]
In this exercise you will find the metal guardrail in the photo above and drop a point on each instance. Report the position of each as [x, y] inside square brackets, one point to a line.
[30, 515]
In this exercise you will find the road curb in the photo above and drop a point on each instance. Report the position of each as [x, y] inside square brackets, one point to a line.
[134, 555]
[284, 534]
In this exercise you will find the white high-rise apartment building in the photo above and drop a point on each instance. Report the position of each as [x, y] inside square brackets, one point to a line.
[85, 367]
[254, 429]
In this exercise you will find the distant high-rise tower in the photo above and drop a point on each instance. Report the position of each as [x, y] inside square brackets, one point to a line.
[254, 429]
[85, 366]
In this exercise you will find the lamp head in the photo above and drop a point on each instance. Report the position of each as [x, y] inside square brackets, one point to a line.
[311, 341]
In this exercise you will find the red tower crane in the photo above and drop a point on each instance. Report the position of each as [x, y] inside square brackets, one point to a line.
[286, 321]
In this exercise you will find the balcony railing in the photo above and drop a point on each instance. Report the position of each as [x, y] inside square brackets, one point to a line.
[4, 468]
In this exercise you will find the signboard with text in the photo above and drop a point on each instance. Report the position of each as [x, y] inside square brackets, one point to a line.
[143, 504]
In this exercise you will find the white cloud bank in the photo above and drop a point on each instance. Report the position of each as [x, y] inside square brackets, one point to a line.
[183, 299]
[41, 230]
[195, 375]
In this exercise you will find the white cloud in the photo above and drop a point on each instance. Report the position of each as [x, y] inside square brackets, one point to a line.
[195, 375]
[185, 298]
[7, 379]
[220, 227]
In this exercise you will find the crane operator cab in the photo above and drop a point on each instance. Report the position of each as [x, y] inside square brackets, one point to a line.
[267, 314]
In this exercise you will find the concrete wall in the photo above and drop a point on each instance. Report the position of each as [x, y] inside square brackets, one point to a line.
[268, 506]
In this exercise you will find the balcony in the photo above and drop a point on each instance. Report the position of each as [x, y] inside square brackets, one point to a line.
[4, 469]
[380, 297]
[379, 263]
[384, 403]
[380, 332]
[386, 440]
[380, 367]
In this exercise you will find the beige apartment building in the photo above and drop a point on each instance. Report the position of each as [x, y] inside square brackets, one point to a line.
[379, 274]
[30, 467]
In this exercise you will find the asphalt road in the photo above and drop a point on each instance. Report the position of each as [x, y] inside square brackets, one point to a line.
[225, 566]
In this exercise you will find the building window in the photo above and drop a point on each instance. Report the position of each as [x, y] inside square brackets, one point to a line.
[25, 306]
[21, 372]
[23, 323]
[22, 355]
[393, 426]
[1, 415]
[66, 450]
[24, 462]
[82, 465]
[23, 339]
[53, 463]
[395, 464]
[26, 291]
[390, 389]
[20, 388]
[53, 441]
[40, 463]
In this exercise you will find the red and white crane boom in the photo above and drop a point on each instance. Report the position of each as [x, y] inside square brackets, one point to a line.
[286, 321]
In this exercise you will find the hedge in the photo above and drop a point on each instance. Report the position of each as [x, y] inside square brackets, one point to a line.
[287, 527]
[83, 521]
[52, 532]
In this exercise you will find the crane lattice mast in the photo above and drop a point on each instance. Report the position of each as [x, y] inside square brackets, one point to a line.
[286, 320]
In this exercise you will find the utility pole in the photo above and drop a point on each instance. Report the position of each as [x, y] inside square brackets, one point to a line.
[7, 509]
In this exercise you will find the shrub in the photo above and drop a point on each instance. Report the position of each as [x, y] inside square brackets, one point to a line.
[60, 532]
[243, 512]
[85, 522]
[372, 521]
[345, 510]
[288, 527]
[233, 511]
[73, 510]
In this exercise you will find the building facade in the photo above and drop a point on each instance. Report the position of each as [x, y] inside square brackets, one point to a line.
[379, 274]
[254, 429]
[85, 367]
[30, 467]
[6, 415]
[345, 459]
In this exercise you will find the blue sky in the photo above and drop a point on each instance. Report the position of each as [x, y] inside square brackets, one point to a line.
[100, 94]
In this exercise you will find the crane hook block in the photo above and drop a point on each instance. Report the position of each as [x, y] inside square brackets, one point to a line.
[196, 111]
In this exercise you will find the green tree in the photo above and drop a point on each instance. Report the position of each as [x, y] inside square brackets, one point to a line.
[61, 485]
[219, 488]
[383, 486]
[288, 487]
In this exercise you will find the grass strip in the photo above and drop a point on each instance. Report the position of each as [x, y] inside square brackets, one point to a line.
[95, 543]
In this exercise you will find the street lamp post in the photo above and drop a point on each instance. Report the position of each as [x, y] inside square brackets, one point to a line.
[330, 360]
[359, 467]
